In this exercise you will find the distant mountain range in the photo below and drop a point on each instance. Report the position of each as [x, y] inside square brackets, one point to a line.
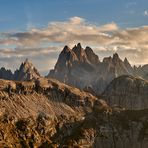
[25, 72]
[46, 113]
[83, 69]
[109, 110]
[80, 68]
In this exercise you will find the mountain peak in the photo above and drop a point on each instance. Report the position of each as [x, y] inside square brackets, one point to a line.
[91, 56]
[81, 68]
[26, 65]
[26, 60]
[80, 53]
[128, 66]
[126, 60]
[66, 49]
[88, 49]
[79, 46]
[115, 56]
[66, 58]
[27, 71]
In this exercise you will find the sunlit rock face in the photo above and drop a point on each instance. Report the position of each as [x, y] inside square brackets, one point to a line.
[27, 98]
[82, 68]
[33, 112]
[47, 113]
[26, 72]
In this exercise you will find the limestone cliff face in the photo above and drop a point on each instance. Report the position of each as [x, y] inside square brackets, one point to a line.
[128, 92]
[81, 68]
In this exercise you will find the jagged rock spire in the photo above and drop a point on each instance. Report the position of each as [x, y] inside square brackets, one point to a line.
[81, 67]
[130, 69]
[91, 56]
[66, 56]
[66, 49]
[79, 46]
[80, 53]
[27, 71]
[116, 57]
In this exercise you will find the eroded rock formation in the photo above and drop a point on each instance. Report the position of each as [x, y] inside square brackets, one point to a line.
[128, 92]
[82, 68]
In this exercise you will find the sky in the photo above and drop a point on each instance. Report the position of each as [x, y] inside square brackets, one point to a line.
[39, 29]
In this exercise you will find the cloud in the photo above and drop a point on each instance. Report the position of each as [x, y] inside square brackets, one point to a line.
[146, 13]
[74, 29]
[77, 20]
[46, 43]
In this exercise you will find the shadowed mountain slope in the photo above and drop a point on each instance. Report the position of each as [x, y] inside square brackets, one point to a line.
[128, 92]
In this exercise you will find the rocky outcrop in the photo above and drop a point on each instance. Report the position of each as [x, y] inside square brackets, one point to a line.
[80, 53]
[47, 113]
[81, 68]
[128, 92]
[119, 129]
[91, 56]
[33, 112]
[26, 72]
[44, 92]
[73, 67]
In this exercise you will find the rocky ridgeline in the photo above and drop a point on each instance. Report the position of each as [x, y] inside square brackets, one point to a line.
[82, 68]
[50, 89]
[26, 72]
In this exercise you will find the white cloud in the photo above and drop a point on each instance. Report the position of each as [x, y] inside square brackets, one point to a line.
[77, 20]
[46, 43]
[146, 12]
[75, 29]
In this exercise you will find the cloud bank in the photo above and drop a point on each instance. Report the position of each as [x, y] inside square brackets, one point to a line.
[42, 45]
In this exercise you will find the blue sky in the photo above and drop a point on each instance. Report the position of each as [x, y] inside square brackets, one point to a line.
[39, 29]
[19, 14]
